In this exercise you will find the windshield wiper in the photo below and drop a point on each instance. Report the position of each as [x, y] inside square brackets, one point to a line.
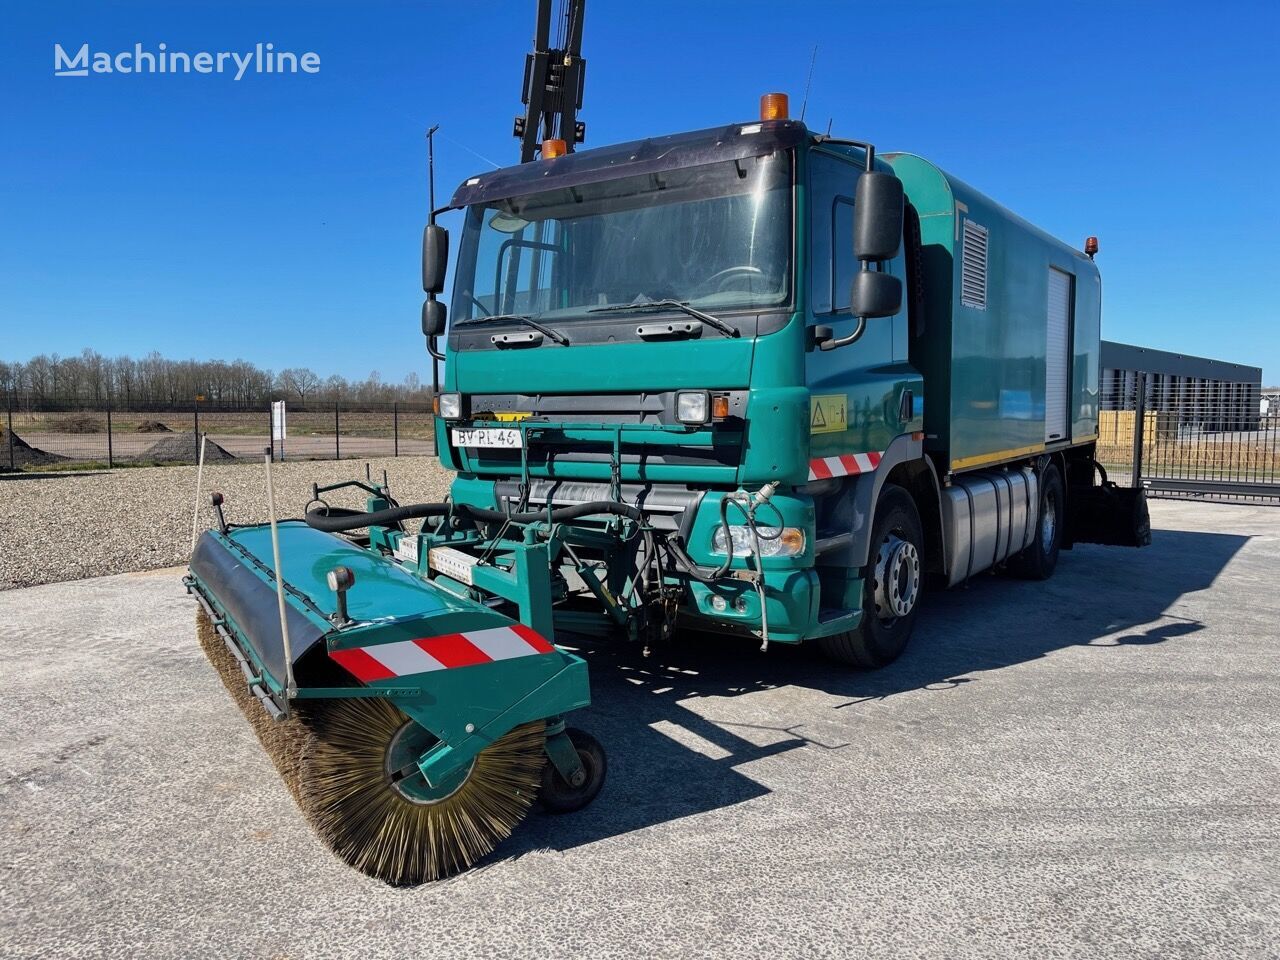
[524, 318]
[671, 304]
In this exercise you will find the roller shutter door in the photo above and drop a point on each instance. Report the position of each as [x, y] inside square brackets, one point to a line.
[1057, 381]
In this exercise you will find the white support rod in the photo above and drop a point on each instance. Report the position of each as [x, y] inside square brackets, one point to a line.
[195, 513]
[289, 686]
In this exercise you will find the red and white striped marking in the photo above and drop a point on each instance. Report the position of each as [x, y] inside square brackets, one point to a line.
[844, 465]
[385, 661]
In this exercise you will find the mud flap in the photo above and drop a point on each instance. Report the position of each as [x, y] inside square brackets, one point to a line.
[1110, 514]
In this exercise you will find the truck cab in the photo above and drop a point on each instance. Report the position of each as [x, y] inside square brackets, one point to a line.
[705, 326]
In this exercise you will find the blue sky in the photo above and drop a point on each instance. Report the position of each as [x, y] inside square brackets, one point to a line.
[278, 218]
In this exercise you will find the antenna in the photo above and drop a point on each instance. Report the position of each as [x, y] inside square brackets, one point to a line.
[431, 173]
[808, 82]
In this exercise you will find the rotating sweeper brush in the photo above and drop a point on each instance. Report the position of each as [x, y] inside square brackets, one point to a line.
[414, 726]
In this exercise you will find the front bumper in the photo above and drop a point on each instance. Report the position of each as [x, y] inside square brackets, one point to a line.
[793, 588]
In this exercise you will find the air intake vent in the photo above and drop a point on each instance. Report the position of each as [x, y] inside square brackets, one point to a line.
[973, 265]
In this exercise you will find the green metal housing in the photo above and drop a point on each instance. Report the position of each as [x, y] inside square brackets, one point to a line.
[984, 367]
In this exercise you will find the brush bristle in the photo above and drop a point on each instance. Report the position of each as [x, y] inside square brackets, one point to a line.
[377, 830]
[283, 740]
[333, 761]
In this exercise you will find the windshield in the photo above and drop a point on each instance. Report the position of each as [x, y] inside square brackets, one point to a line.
[717, 236]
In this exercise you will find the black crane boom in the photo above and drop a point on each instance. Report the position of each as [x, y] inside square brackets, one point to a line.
[553, 79]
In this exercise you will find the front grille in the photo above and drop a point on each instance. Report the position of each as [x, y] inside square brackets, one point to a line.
[647, 408]
[540, 454]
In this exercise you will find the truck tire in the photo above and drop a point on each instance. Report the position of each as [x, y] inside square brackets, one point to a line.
[1037, 562]
[891, 587]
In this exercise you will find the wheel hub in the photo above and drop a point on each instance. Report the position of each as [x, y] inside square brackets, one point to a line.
[897, 578]
[1049, 523]
[409, 743]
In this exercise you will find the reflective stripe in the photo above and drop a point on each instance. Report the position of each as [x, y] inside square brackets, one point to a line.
[453, 650]
[360, 665]
[846, 464]
[533, 638]
[501, 643]
[402, 658]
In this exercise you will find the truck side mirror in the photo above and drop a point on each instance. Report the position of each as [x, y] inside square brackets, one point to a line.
[877, 216]
[435, 257]
[875, 294]
[433, 317]
[878, 209]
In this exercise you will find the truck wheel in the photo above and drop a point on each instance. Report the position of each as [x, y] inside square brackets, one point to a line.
[890, 589]
[1038, 560]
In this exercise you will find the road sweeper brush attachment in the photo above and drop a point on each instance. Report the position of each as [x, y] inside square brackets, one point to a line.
[412, 725]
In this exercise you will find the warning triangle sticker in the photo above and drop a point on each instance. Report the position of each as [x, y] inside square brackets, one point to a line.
[818, 419]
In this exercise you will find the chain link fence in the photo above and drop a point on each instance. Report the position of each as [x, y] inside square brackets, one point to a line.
[1178, 436]
[53, 435]
[1190, 438]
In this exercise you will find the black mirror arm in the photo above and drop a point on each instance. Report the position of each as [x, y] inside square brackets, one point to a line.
[853, 337]
[433, 350]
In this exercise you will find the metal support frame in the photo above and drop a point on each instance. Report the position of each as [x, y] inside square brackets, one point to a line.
[563, 755]
[1139, 422]
[553, 82]
[111, 453]
[290, 688]
[195, 510]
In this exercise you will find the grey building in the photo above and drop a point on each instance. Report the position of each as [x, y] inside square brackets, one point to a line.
[1210, 394]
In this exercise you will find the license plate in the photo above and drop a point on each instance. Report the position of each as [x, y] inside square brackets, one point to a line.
[486, 437]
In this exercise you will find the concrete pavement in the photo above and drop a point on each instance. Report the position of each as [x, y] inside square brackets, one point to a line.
[1086, 767]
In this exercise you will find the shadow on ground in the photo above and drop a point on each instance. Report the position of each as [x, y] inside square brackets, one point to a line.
[1099, 597]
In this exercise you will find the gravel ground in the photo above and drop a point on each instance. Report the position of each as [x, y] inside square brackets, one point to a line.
[1083, 768]
[68, 526]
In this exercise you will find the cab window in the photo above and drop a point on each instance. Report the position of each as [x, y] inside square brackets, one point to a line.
[831, 187]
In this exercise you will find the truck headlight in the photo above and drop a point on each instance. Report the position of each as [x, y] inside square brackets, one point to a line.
[774, 541]
[449, 406]
[693, 407]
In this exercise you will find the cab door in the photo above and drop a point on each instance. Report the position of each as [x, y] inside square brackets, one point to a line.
[861, 395]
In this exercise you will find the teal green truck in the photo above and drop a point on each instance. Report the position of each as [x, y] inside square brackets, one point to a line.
[751, 380]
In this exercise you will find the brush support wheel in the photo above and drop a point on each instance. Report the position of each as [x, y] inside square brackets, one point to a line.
[557, 795]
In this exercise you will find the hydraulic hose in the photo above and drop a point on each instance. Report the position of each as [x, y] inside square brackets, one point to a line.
[337, 519]
[558, 514]
[689, 566]
[723, 571]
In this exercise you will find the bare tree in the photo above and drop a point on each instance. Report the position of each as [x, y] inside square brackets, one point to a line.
[336, 387]
[298, 380]
[91, 379]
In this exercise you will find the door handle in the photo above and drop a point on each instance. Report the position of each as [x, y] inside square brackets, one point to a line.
[906, 406]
